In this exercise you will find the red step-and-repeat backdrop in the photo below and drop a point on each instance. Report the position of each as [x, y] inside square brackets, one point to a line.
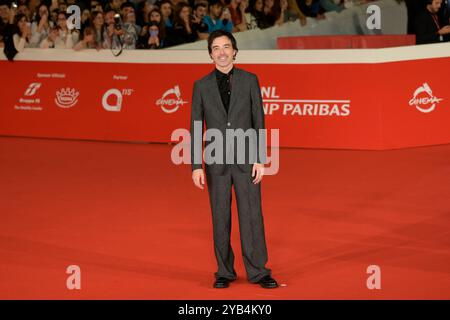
[358, 106]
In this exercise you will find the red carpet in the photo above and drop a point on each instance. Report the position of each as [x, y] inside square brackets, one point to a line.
[139, 229]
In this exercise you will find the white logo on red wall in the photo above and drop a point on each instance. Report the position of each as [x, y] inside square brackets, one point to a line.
[424, 100]
[112, 99]
[32, 88]
[274, 104]
[28, 101]
[171, 100]
[66, 97]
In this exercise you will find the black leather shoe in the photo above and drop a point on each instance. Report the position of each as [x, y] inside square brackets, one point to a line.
[221, 283]
[268, 282]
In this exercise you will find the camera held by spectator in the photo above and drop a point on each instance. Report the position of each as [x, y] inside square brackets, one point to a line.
[117, 22]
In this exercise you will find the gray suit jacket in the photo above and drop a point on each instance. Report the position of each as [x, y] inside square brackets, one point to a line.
[245, 112]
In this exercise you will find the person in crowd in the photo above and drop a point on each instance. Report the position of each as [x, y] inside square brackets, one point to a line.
[96, 6]
[414, 7]
[154, 16]
[87, 40]
[116, 34]
[129, 24]
[5, 12]
[54, 16]
[40, 28]
[275, 11]
[311, 8]
[62, 6]
[165, 6]
[114, 5]
[256, 18]
[237, 11]
[97, 23]
[86, 17]
[428, 27]
[444, 12]
[332, 5]
[22, 35]
[6, 15]
[23, 8]
[154, 41]
[60, 36]
[183, 30]
[219, 18]
[143, 10]
[199, 13]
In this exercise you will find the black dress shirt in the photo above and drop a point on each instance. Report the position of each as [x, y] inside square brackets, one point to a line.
[224, 84]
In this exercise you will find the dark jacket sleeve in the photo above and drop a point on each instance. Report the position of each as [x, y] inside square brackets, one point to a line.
[197, 115]
[258, 122]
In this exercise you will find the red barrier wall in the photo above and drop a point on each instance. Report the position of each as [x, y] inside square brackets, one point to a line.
[345, 41]
[318, 105]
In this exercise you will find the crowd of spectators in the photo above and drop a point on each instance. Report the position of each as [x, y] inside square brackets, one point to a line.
[144, 24]
[154, 24]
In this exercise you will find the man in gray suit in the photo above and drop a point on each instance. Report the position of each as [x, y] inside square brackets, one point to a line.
[229, 100]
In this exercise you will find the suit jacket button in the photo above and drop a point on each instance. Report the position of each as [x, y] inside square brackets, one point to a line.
[228, 124]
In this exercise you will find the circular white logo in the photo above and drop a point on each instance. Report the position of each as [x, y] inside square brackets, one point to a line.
[424, 100]
[170, 105]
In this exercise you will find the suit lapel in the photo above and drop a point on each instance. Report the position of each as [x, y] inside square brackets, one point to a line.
[234, 88]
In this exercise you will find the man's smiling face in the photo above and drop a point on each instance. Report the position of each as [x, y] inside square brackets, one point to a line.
[222, 52]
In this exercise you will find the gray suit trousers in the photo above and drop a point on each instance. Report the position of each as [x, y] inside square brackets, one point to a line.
[251, 224]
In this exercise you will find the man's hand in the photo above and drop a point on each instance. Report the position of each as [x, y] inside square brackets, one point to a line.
[199, 178]
[257, 172]
[445, 30]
